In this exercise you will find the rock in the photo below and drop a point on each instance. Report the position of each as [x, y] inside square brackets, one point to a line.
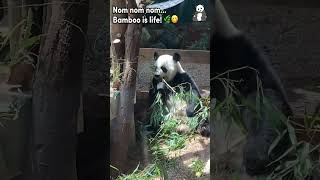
[182, 129]
[206, 169]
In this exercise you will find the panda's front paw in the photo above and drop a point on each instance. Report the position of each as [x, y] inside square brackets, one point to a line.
[190, 110]
[161, 86]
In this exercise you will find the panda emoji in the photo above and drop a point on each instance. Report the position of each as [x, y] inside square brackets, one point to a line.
[200, 14]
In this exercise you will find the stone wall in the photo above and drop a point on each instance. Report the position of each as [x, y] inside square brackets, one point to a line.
[200, 73]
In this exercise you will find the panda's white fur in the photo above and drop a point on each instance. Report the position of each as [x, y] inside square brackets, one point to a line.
[168, 68]
[173, 67]
[170, 64]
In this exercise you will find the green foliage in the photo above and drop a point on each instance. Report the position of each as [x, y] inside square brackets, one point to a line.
[202, 43]
[159, 115]
[167, 139]
[231, 107]
[296, 162]
[171, 28]
[23, 46]
[176, 141]
[116, 74]
[169, 126]
[148, 173]
[197, 167]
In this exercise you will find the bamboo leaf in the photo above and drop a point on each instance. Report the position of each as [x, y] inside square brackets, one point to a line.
[276, 141]
[29, 42]
[292, 134]
[285, 153]
[5, 41]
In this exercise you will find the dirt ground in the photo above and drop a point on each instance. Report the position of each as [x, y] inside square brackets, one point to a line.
[196, 148]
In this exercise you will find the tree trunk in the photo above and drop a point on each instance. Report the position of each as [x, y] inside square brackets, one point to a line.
[57, 90]
[126, 126]
[128, 90]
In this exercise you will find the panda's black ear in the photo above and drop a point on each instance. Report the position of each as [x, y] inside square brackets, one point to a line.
[176, 57]
[155, 55]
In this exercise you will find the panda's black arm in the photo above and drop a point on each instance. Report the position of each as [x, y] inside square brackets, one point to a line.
[153, 92]
[230, 50]
[193, 104]
[186, 78]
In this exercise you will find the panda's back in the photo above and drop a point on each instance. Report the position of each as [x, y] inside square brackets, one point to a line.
[240, 52]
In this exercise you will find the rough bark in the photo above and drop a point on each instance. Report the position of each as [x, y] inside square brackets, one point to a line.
[128, 91]
[57, 90]
[125, 126]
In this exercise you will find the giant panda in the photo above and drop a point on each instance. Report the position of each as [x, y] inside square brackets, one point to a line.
[167, 67]
[233, 49]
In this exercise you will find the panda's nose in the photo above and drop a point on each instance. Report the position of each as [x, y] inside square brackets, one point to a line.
[157, 76]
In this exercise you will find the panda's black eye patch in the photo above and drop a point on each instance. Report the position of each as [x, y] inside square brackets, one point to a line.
[164, 69]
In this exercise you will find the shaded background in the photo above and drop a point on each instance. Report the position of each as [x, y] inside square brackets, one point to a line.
[288, 32]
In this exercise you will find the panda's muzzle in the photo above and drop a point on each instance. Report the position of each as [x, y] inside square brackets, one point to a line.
[156, 76]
